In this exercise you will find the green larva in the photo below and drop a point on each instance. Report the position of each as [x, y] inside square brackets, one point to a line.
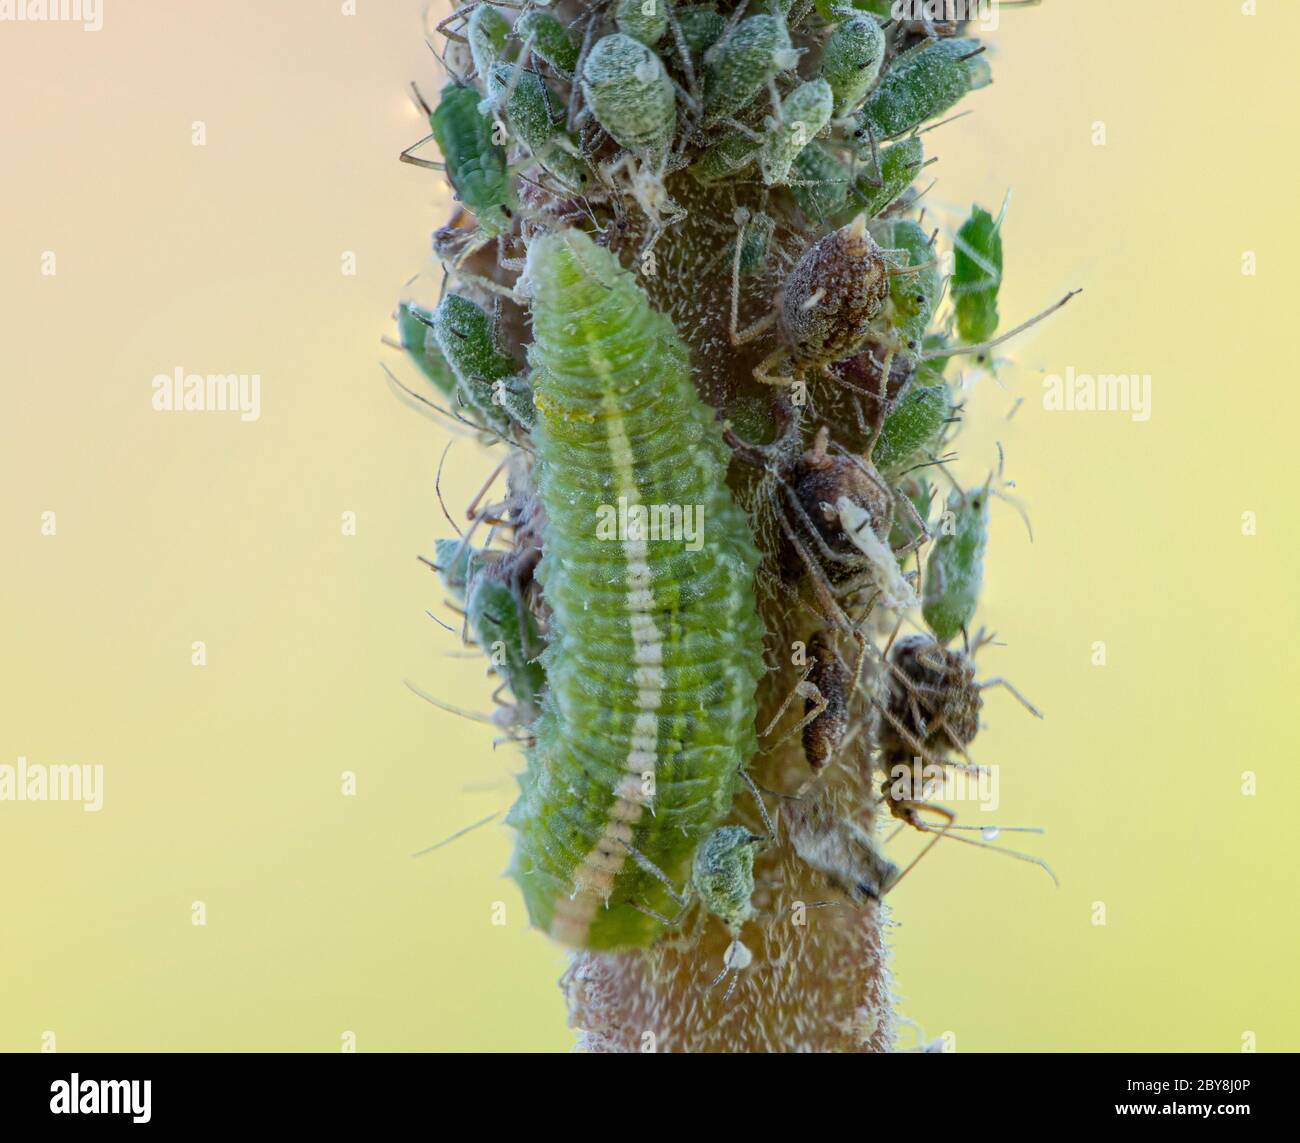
[921, 85]
[913, 430]
[851, 60]
[654, 649]
[954, 570]
[977, 274]
[630, 94]
[487, 32]
[804, 113]
[476, 166]
[644, 20]
[417, 339]
[551, 40]
[465, 335]
[738, 67]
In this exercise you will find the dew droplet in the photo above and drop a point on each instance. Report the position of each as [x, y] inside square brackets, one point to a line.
[988, 833]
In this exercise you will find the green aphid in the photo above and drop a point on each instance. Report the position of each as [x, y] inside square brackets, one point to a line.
[417, 339]
[536, 115]
[977, 274]
[822, 187]
[476, 166]
[487, 32]
[921, 85]
[452, 559]
[551, 40]
[728, 157]
[630, 94]
[506, 630]
[954, 570]
[914, 430]
[851, 60]
[738, 67]
[701, 25]
[644, 20]
[804, 113]
[755, 241]
[913, 297]
[466, 336]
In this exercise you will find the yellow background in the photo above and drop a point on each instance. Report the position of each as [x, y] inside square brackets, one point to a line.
[222, 783]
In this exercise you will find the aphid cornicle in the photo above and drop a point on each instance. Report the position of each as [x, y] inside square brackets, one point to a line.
[630, 94]
[654, 649]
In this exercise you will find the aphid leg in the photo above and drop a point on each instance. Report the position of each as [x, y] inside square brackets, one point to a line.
[1001, 682]
[802, 689]
[914, 808]
[682, 898]
[758, 798]
[985, 346]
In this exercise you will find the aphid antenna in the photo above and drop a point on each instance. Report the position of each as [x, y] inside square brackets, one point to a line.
[984, 346]
[460, 712]
[414, 396]
[448, 627]
[951, 118]
[455, 836]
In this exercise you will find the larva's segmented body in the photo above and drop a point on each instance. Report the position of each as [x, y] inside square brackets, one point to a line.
[654, 649]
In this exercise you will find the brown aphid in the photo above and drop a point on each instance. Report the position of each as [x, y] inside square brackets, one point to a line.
[819, 479]
[828, 706]
[934, 700]
[824, 310]
[832, 294]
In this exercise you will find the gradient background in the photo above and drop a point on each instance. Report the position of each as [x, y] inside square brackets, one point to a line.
[222, 783]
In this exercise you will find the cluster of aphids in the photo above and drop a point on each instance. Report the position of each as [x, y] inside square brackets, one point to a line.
[786, 137]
